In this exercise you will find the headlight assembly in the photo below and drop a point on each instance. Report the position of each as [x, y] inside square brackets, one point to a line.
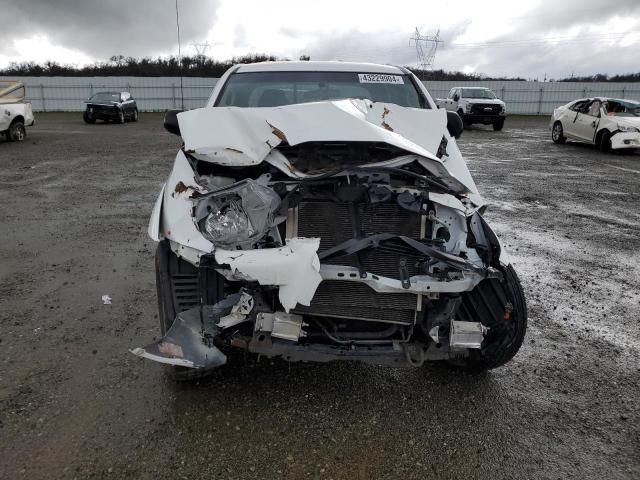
[625, 128]
[238, 215]
[468, 107]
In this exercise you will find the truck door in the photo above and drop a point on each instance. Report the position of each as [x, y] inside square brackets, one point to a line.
[457, 96]
[449, 100]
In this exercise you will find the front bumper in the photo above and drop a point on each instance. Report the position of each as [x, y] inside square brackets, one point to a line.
[103, 114]
[625, 140]
[485, 119]
[248, 320]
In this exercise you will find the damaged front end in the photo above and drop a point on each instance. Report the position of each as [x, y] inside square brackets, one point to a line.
[328, 231]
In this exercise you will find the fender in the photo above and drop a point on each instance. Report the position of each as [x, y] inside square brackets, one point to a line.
[156, 215]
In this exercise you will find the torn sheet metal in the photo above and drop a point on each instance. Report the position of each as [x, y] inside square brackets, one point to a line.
[239, 312]
[176, 222]
[189, 341]
[295, 268]
[228, 135]
[246, 136]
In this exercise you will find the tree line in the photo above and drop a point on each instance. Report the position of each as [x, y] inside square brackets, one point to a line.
[201, 66]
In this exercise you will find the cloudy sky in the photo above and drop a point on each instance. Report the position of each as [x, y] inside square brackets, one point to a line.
[495, 37]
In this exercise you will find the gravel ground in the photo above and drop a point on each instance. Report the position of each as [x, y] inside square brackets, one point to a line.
[74, 203]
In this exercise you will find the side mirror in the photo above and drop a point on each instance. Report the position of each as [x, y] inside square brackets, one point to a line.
[456, 98]
[454, 124]
[171, 122]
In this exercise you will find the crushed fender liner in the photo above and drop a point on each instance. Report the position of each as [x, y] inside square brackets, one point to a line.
[189, 341]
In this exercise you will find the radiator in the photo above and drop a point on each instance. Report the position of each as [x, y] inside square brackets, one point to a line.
[331, 222]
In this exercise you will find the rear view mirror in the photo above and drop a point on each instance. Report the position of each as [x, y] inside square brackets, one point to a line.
[171, 122]
[454, 124]
[456, 98]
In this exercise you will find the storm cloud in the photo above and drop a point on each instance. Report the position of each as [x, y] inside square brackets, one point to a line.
[521, 52]
[101, 29]
[592, 36]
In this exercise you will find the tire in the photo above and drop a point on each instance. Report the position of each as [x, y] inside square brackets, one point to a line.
[557, 133]
[167, 263]
[465, 122]
[134, 117]
[90, 119]
[504, 337]
[605, 141]
[120, 117]
[17, 132]
[497, 126]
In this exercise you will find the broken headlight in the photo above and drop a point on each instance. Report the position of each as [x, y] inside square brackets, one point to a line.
[625, 128]
[238, 215]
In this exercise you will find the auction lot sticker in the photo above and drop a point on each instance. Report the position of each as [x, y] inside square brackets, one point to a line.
[380, 78]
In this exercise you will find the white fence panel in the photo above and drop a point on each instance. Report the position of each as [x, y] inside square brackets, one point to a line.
[151, 93]
[540, 98]
[163, 93]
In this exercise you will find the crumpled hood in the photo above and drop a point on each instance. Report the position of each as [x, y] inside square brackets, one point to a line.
[627, 121]
[247, 136]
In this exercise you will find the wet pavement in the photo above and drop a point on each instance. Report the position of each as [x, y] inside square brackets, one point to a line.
[74, 204]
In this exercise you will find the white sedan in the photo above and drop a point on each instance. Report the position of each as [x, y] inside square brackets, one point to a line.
[608, 123]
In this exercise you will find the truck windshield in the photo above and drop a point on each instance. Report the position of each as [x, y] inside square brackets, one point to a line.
[478, 93]
[272, 89]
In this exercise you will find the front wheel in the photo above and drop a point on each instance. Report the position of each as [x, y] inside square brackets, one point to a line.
[501, 307]
[497, 126]
[605, 141]
[557, 133]
[17, 132]
[88, 118]
[465, 121]
[134, 117]
[120, 116]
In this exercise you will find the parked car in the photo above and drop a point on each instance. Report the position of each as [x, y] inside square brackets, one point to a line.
[608, 123]
[110, 106]
[322, 211]
[475, 105]
[15, 113]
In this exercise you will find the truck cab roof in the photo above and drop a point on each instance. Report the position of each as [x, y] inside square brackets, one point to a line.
[311, 66]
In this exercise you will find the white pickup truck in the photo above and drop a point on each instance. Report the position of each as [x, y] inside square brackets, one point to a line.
[475, 105]
[15, 113]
